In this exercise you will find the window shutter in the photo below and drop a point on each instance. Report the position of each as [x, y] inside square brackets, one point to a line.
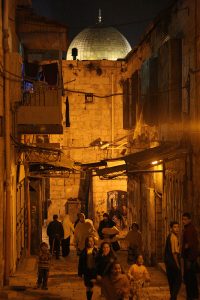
[170, 81]
[134, 97]
[126, 104]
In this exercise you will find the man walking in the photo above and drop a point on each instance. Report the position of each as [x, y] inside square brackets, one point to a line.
[134, 240]
[172, 260]
[190, 254]
[83, 230]
[55, 233]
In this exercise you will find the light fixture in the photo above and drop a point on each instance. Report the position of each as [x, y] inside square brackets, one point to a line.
[156, 162]
[89, 98]
[104, 145]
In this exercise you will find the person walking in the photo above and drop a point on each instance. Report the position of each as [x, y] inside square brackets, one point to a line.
[55, 233]
[108, 232]
[43, 266]
[172, 260]
[82, 231]
[106, 257]
[134, 240]
[87, 265]
[138, 275]
[105, 223]
[68, 230]
[115, 284]
[190, 254]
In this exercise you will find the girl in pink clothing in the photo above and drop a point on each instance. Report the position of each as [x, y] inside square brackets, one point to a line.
[138, 275]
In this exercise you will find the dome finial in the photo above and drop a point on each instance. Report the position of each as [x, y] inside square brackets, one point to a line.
[99, 17]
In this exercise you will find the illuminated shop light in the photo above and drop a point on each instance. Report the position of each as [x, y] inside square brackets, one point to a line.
[156, 162]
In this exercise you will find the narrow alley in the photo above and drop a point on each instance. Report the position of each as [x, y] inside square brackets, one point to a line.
[64, 284]
[99, 125]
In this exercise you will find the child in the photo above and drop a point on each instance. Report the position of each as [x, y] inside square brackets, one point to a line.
[87, 265]
[115, 284]
[138, 275]
[43, 266]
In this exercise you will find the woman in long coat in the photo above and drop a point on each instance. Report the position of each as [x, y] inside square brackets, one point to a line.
[106, 257]
[87, 265]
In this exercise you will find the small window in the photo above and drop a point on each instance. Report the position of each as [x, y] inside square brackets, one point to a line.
[1, 126]
[89, 98]
[67, 116]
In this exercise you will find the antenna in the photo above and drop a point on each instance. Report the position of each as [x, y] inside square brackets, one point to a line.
[99, 17]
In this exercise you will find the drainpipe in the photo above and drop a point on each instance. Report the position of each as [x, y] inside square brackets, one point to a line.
[112, 114]
[7, 227]
[197, 94]
[27, 199]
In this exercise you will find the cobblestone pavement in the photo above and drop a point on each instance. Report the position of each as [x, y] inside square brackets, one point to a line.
[64, 284]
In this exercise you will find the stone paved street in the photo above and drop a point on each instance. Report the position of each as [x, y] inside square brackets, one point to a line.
[64, 283]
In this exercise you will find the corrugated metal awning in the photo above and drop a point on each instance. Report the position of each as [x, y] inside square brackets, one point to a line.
[142, 161]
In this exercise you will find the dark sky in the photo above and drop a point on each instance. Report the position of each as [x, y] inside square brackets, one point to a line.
[78, 14]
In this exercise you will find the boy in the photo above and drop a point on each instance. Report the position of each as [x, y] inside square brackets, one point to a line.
[43, 266]
[172, 260]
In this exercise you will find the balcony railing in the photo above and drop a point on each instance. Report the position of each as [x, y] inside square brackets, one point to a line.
[40, 110]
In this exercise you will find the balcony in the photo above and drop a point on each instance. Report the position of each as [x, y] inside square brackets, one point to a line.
[40, 111]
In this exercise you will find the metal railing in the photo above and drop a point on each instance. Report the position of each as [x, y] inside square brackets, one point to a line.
[42, 95]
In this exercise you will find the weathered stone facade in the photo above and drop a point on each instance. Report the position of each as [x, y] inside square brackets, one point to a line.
[21, 200]
[10, 92]
[159, 81]
[151, 98]
[99, 120]
[167, 65]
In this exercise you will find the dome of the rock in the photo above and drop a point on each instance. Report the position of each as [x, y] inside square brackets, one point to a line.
[99, 42]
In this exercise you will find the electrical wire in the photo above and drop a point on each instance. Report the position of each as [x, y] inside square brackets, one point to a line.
[46, 88]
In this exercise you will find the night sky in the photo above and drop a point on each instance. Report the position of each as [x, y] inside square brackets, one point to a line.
[130, 17]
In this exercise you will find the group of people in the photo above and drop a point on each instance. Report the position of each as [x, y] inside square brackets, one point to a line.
[98, 262]
[175, 269]
[102, 267]
[59, 233]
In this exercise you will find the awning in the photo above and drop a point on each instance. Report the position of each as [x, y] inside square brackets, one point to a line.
[46, 157]
[165, 151]
[94, 165]
[45, 167]
[142, 161]
[62, 168]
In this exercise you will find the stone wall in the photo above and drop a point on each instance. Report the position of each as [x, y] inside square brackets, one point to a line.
[100, 119]
[1, 155]
[100, 189]
[181, 188]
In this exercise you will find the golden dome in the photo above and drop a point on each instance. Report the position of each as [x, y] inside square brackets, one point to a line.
[99, 42]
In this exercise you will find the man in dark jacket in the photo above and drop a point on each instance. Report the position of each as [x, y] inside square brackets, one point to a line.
[105, 223]
[172, 260]
[190, 254]
[55, 233]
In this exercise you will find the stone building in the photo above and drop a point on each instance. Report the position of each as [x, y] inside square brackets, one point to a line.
[156, 122]
[93, 120]
[21, 197]
[97, 135]
[162, 89]
[12, 182]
